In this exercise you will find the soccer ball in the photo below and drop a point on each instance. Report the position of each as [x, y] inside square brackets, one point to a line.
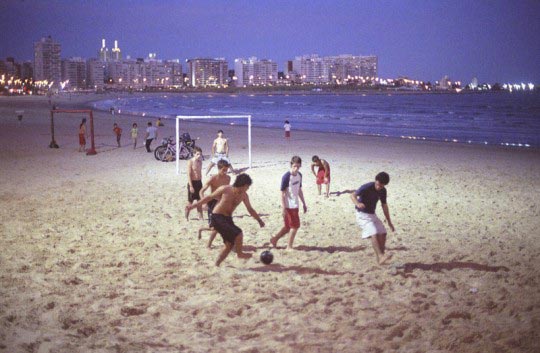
[267, 257]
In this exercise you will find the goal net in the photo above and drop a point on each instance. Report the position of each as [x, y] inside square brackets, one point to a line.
[199, 117]
[92, 150]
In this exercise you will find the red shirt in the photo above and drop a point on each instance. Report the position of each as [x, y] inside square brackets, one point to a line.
[117, 131]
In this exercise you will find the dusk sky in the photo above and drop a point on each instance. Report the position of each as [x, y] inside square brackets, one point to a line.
[496, 41]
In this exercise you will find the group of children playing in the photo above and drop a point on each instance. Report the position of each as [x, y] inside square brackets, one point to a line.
[224, 198]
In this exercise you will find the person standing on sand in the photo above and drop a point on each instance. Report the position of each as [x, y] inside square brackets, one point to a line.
[365, 200]
[323, 173]
[82, 136]
[291, 191]
[194, 173]
[229, 198]
[220, 179]
[118, 132]
[151, 134]
[220, 150]
[287, 128]
[134, 134]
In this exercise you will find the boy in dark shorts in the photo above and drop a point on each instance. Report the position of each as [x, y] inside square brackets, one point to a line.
[291, 190]
[220, 179]
[194, 173]
[229, 198]
[365, 200]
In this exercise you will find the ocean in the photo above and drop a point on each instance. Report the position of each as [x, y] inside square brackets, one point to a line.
[510, 119]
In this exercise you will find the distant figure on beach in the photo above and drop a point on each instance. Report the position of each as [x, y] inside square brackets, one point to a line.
[229, 198]
[118, 133]
[220, 179]
[82, 136]
[134, 134]
[365, 200]
[220, 151]
[323, 174]
[194, 174]
[159, 123]
[111, 109]
[151, 134]
[287, 128]
[291, 191]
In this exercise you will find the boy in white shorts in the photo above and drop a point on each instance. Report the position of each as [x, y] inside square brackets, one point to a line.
[220, 151]
[365, 199]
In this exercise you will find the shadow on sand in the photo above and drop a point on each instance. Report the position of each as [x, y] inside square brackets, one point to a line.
[339, 193]
[330, 249]
[298, 269]
[407, 269]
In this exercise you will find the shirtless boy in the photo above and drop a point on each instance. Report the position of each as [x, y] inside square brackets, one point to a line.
[220, 151]
[194, 173]
[220, 179]
[365, 199]
[291, 190]
[229, 198]
[323, 173]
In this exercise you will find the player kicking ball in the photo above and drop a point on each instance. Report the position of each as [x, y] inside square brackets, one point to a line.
[365, 200]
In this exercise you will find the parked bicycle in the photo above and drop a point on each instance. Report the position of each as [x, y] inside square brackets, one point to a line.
[166, 152]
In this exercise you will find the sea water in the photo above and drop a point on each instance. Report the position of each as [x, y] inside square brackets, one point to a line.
[489, 118]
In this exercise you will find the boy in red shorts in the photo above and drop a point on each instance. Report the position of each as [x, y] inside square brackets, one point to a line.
[322, 175]
[291, 191]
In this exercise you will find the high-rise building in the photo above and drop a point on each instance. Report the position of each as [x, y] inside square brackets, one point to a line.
[207, 72]
[311, 69]
[27, 70]
[252, 71]
[47, 63]
[116, 53]
[369, 66]
[74, 72]
[103, 52]
[95, 74]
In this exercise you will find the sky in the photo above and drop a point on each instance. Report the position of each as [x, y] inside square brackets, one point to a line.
[495, 41]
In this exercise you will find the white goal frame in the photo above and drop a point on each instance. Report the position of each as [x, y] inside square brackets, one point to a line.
[200, 117]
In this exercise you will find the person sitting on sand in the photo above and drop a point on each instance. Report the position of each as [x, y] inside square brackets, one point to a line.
[229, 198]
[365, 200]
[220, 179]
[323, 173]
[194, 173]
[220, 150]
[291, 190]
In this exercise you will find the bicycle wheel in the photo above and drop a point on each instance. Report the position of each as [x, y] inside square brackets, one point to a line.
[159, 152]
[169, 155]
[184, 153]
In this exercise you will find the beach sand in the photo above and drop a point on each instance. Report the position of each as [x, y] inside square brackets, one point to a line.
[96, 255]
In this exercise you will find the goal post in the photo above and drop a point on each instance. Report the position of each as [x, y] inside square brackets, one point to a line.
[53, 144]
[201, 117]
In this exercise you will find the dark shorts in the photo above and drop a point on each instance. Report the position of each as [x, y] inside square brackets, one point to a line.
[197, 186]
[225, 227]
[211, 206]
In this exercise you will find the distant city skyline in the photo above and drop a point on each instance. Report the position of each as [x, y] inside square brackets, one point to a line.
[493, 41]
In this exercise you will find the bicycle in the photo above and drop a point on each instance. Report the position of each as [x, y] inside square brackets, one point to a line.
[166, 152]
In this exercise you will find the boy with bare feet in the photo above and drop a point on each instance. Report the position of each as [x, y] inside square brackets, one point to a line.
[220, 151]
[291, 190]
[323, 173]
[220, 179]
[229, 198]
[365, 199]
[194, 174]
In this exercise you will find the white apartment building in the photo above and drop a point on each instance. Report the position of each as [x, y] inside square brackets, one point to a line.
[47, 63]
[74, 73]
[207, 72]
[95, 74]
[254, 72]
[333, 69]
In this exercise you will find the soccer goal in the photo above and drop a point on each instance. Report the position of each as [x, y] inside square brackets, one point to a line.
[199, 117]
[53, 144]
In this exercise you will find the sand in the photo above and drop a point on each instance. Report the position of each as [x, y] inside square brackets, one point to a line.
[97, 257]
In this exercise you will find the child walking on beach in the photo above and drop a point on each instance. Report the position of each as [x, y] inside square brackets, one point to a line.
[365, 200]
[220, 179]
[229, 198]
[323, 173]
[82, 136]
[194, 174]
[291, 191]
[287, 128]
[118, 132]
[134, 134]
